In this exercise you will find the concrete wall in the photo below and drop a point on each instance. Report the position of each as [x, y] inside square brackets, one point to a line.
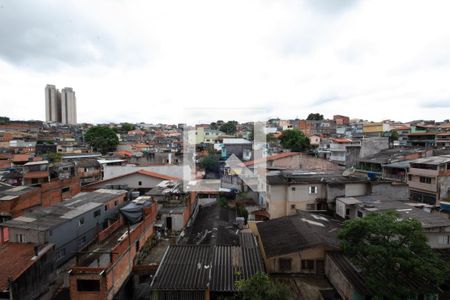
[303, 162]
[373, 145]
[391, 190]
[273, 265]
[169, 170]
[132, 181]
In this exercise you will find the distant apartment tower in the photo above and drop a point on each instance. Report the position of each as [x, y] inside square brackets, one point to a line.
[60, 107]
[52, 104]
[68, 106]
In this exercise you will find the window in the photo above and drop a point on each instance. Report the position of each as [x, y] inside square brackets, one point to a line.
[310, 206]
[81, 221]
[285, 264]
[20, 238]
[85, 285]
[140, 183]
[293, 188]
[313, 189]
[60, 254]
[443, 240]
[65, 189]
[106, 207]
[409, 177]
[115, 203]
[425, 179]
[292, 206]
[97, 213]
[307, 264]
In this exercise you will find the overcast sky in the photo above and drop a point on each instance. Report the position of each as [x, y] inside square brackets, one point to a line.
[198, 61]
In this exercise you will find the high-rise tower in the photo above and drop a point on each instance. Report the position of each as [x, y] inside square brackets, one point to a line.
[52, 104]
[60, 107]
[68, 106]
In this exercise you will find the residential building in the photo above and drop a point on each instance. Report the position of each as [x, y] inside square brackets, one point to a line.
[52, 104]
[241, 148]
[36, 172]
[435, 227]
[373, 129]
[429, 179]
[298, 243]
[60, 107]
[101, 274]
[341, 120]
[26, 270]
[139, 180]
[68, 106]
[443, 140]
[71, 225]
[289, 192]
[338, 149]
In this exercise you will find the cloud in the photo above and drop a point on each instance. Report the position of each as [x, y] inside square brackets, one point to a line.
[331, 6]
[444, 103]
[47, 34]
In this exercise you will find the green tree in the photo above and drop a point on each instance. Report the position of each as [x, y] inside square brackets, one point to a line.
[229, 127]
[259, 287]
[393, 136]
[101, 138]
[54, 157]
[393, 255]
[127, 127]
[210, 162]
[4, 120]
[294, 140]
[213, 126]
[315, 116]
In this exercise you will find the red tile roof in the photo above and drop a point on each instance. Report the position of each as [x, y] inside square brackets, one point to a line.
[20, 157]
[37, 174]
[141, 172]
[5, 164]
[272, 158]
[342, 140]
[15, 258]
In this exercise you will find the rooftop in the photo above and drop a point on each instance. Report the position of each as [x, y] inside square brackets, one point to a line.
[433, 160]
[236, 141]
[198, 267]
[291, 234]
[390, 155]
[15, 191]
[46, 218]
[300, 177]
[16, 258]
[374, 203]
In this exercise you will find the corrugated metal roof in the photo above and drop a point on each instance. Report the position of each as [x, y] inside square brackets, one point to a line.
[197, 267]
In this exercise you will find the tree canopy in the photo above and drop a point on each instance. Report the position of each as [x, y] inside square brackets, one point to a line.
[228, 127]
[393, 255]
[315, 116]
[127, 127]
[259, 286]
[4, 120]
[210, 162]
[294, 140]
[101, 138]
